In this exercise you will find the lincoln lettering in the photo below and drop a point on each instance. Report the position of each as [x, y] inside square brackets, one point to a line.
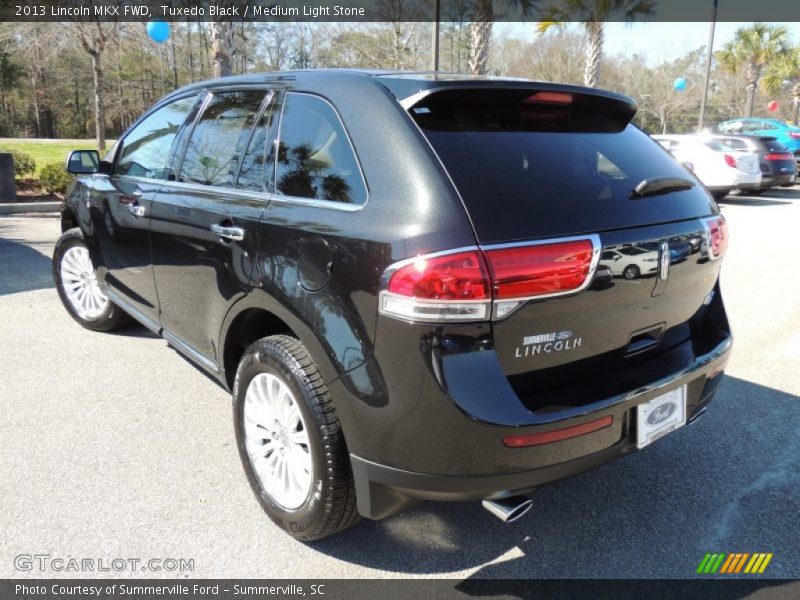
[548, 347]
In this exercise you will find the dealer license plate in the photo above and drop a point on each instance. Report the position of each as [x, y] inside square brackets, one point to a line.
[660, 416]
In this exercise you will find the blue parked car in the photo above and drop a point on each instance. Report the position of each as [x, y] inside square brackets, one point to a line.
[788, 135]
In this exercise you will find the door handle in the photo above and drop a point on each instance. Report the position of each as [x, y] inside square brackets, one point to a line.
[137, 210]
[229, 233]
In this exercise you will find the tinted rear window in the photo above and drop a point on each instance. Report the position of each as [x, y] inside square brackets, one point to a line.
[527, 170]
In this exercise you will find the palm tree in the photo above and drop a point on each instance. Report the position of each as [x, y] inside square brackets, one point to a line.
[754, 47]
[784, 73]
[593, 15]
[483, 15]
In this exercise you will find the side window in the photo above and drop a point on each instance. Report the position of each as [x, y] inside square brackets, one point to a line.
[751, 126]
[767, 126]
[146, 149]
[219, 138]
[315, 158]
[258, 165]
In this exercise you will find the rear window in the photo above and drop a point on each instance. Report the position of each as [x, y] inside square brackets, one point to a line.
[530, 170]
[773, 145]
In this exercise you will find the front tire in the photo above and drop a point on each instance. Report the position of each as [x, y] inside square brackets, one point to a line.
[81, 293]
[290, 441]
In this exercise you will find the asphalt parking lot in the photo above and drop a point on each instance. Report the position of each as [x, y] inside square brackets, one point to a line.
[113, 445]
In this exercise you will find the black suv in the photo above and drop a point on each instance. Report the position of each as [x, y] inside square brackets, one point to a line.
[400, 276]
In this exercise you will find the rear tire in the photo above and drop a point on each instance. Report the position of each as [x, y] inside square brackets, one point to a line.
[80, 292]
[297, 463]
[631, 272]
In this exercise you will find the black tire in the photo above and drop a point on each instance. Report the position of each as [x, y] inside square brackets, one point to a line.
[631, 272]
[331, 504]
[113, 317]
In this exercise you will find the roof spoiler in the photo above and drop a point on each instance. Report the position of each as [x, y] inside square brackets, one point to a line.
[584, 109]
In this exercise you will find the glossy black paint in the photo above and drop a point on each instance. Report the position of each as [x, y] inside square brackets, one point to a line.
[416, 398]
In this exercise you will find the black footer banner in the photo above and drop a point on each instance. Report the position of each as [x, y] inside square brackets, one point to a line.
[380, 589]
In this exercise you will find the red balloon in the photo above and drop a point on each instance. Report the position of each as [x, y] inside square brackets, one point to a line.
[772, 106]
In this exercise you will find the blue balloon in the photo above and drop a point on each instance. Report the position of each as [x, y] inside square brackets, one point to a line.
[158, 31]
[679, 84]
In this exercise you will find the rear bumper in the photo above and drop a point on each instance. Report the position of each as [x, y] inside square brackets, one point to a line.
[770, 181]
[384, 490]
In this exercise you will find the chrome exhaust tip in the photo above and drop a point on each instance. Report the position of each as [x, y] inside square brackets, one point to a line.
[508, 509]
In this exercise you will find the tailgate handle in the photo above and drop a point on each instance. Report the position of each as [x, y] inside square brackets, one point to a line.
[644, 339]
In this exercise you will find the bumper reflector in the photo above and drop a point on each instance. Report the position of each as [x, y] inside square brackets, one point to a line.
[547, 437]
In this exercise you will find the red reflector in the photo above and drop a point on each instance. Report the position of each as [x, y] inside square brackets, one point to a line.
[522, 272]
[779, 156]
[549, 98]
[730, 161]
[537, 439]
[717, 230]
[460, 276]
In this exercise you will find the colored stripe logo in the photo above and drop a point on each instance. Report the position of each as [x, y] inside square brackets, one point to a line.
[731, 563]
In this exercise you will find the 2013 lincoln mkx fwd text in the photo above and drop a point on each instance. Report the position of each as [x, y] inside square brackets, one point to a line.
[416, 286]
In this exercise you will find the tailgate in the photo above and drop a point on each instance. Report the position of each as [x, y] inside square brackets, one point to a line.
[536, 169]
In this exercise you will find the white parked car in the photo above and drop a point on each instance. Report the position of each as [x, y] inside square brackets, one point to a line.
[720, 168]
[630, 262]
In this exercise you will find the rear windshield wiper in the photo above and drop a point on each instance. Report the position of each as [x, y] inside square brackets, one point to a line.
[660, 185]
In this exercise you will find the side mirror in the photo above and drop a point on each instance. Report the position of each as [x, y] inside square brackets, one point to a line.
[83, 162]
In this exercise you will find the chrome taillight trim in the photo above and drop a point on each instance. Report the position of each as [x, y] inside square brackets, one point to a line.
[501, 309]
[707, 229]
[496, 309]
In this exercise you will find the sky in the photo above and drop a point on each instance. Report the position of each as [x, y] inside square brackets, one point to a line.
[658, 42]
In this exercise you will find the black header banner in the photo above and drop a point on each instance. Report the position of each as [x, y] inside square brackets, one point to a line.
[389, 10]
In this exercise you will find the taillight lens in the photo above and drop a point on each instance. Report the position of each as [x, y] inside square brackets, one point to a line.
[540, 270]
[778, 156]
[730, 161]
[465, 285]
[794, 135]
[439, 288]
[717, 236]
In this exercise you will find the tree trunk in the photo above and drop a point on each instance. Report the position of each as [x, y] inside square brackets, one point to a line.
[481, 37]
[753, 74]
[595, 34]
[99, 108]
[796, 102]
[223, 47]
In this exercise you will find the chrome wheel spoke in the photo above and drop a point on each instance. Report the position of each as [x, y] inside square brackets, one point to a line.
[80, 284]
[277, 441]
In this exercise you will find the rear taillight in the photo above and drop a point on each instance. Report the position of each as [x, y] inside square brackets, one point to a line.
[438, 287]
[520, 273]
[730, 161]
[794, 135]
[778, 156]
[716, 236]
[461, 285]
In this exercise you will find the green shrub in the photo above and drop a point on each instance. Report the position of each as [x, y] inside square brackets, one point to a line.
[54, 179]
[23, 163]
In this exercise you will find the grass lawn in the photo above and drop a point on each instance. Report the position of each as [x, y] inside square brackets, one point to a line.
[45, 152]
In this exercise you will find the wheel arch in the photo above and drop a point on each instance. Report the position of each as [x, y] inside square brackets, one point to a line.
[258, 315]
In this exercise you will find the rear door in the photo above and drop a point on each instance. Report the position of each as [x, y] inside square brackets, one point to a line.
[205, 223]
[544, 175]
